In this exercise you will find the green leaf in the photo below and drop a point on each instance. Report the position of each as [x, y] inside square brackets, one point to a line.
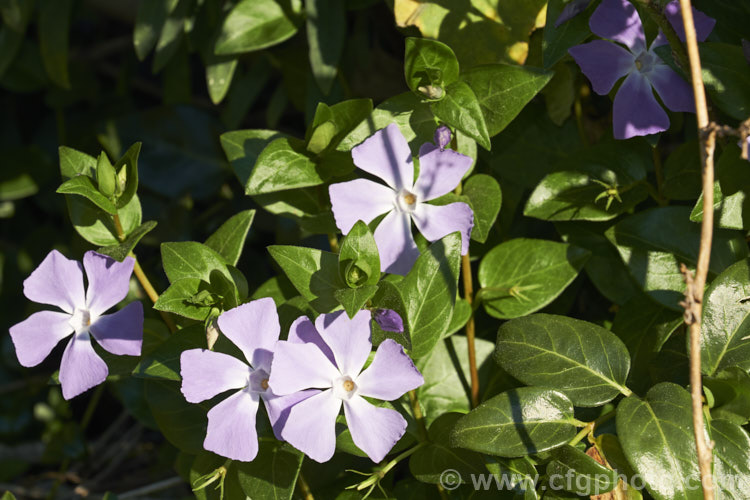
[503, 90]
[254, 25]
[731, 197]
[461, 314]
[229, 240]
[119, 252]
[326, 35]
[183, 424]
[219, 75]
[127, 175]
[486, 198]
[332, 123]
[573, 470]
[171, 35]
[558, 39]
[273, 473]
[188, 297]
[358, 248]
[205, 465]
[53, 30]
[460, 109]
[149, 22]
[726, 75]
[524, 275]
[430, 462]
[429, 293]
[731, 454]
[84, 186]
[726, 320]
[242, 148]
[8, 496]
[682, 173]
[657, 437]
[730, 389]
[446, 372]
[517, 422]
[190, 259]
[105, 176]
[654, 242]
[164, 362]
[353, 299]
[15, 16]
[314, 273]
[583, 360]
[429, 63]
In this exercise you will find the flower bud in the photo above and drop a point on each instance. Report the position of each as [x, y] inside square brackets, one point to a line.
[105, 176]
[442, 137]
[388, 320]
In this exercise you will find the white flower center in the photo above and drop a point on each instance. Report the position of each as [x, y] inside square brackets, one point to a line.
[344, 388]
[406, 201]
[81, 320]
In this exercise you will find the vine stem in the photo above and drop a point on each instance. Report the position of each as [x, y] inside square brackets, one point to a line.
[417, 410]
[470, 329]
[695, 299]
[304, 488]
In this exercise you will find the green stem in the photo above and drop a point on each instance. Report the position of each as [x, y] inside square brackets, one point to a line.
[417, 410]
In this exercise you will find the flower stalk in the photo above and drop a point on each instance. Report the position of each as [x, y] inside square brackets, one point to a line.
[470, 329]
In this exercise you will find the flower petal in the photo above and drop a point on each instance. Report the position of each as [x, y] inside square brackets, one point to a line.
[440, 171]
[81, 367]
[360, 199]
[437, 221]
[603, 63]
[675, 92]
[254, 328]
[231, 427]
[207, 373]
[571, 10]
[349, 339]
[303, 331]
[278, 407]
[636, 111]
[108, 279]
[618, 20]
[57, 281]
[297, 367]
[386, 154]
[36, 336]
[311, 426]
[374, 430]
[396, 246]
[390, 375]
[388, 320]
[121, 332]
[704, 24]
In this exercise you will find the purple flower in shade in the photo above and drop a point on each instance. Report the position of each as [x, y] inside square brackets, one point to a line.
[571, 10]
[58, 281]
[388, 320]
[442, 137]
[254, 328]
[325, 360]
[386, 155]
[636, 111]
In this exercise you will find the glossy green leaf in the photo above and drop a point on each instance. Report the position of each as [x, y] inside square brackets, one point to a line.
[429, 293]
[171, 35]
[524, 275]
[731, 196]
[461, 314]
[206, 464]
[229, 240]
[730, 389]
[83, 186]
[127, 175]
[657, 437]
[429, 63]
[503, 90]
[149, 22]
[273, 473]
[190, 259]
[731, 454]
[164, 361]
[726, 320]
[53, 29]
[242, 148]
[446, 372]
[354, 299]
[332, 123]
[558, 39]
[358, 248]
[486, 198]
[460, 109]
[183, 424]
[314, 273]
[654, 242]
[726, 75]
[254, 25]
[187, 297]
[517, 422]
[326, 35]
[220, 72]
[573, 470]
[119, 252]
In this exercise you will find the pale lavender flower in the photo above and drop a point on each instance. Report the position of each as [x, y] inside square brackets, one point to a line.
[571, 10]
[388, 320]
[386, 155]
[326, 359]
[254, 328]
[636, 111]
[58, 281]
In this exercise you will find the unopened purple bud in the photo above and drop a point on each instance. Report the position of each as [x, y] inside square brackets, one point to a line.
[388, 320]
[442, 137]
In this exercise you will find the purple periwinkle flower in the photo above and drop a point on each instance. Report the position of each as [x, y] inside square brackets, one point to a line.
[388, 320]
[571, 10]
[636, 111]
[386, 155]
[254, 329]
[442, 137]
[58, 281]
[326, 359]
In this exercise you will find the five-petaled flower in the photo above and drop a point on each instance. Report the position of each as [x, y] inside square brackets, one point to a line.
[386, 155]
[325, 360]
[254, 329]
[636, 111]
[58, 281]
